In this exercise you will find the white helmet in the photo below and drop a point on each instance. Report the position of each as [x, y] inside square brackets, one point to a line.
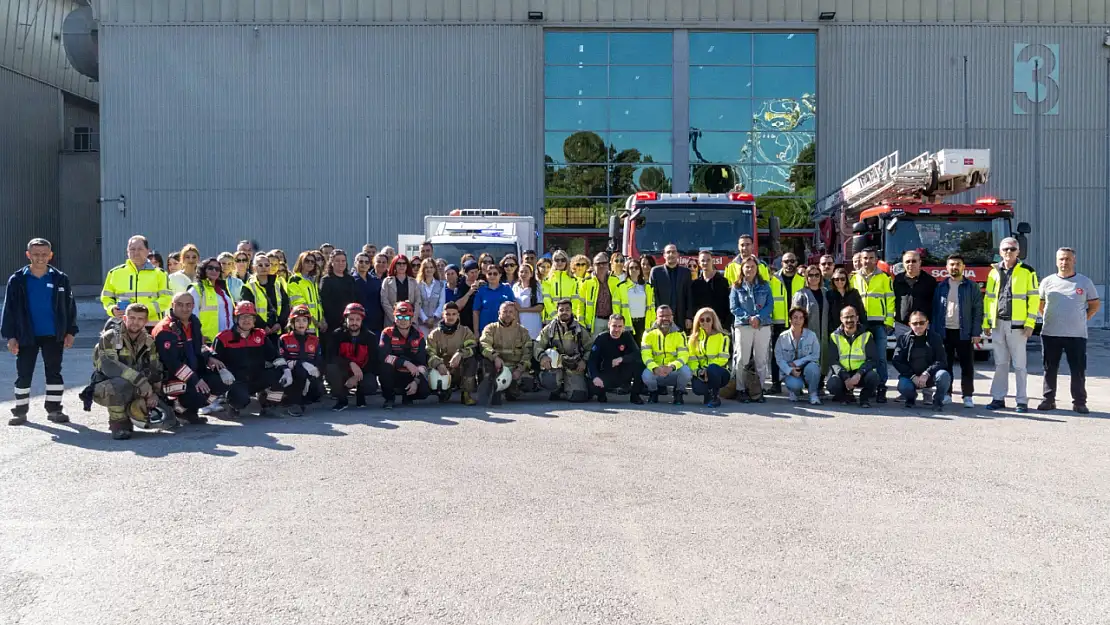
[504, 379]
[155, 419]
[553, 354]
[438, 381]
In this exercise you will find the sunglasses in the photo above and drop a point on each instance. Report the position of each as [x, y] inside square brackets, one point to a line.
[840, 279]
[402, 264]
[813, 275]
[404, 317]
[242, 260]
[1009, 249]
[310, 261]
[581, 264]
[706, 320]
[510, 264]
[213, 268]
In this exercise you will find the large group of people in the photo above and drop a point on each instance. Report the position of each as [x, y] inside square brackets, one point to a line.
[190, 336]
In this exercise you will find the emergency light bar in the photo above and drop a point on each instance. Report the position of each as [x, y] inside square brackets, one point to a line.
[741, 197]
[647, 195]
[988, 201]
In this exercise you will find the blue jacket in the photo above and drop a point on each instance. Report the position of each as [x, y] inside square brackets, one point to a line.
[971, 309]
[748, 301]
[16, 322]
[370, 296]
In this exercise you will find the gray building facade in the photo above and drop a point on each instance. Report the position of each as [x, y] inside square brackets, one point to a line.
[277, 120]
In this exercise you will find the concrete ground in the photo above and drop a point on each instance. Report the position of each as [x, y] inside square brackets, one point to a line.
[543, 513]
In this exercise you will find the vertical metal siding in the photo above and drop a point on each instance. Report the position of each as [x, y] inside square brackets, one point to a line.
[27, 44]
[598, 11]
[907, 94]
[216, 133]
[30, 135]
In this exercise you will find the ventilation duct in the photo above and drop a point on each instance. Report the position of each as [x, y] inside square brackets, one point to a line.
[79, 37]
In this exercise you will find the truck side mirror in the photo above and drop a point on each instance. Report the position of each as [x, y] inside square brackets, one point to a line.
[614, 233]
[1023, 244]
[1024, 228]
[861, 242]
[859, 227]
[776, 233]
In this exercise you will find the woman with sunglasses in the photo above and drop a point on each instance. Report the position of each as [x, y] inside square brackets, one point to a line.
[303, 289]
[269, 296]
[509, 265]
[617, 266]
[820, 315]
[212, 302]
[242, 266]
[639, 301]
[369, 288]
[842, 294]
[337, 289]
[398, 287]
[709, 348]
[279, 266]
[234, 284]
[580, 267]
[432, 296]
[559, 284]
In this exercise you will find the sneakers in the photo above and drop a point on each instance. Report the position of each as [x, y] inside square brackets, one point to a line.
[1081, 408]
[1047, 404]
[938, 404]
[193, 418]
[793, 396]
[776, 389]
[864, 403]
[443, 396]
[947, 399]
[213, 408]
[18, 419]
[881, 397]
[340, 405]
[1023, 408]
[969, 402]
[386, 405]
[714, 400]
[602, 398]
[360, 401]
[555, 396]
[997, 404]
[814, 400]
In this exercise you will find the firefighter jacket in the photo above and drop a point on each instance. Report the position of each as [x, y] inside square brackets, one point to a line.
[246, 356]
[1025, 297]
[396, 350]
[512, 344]
[276, 312]
[303, 290]
[852, 355]
[361, 348]
[117, 355]
[557, 286]
[782, 298]
[709, 350]
[585, 306]
[297, 348]
[877, 292]
[443, 345]
[137, 285]
[571, 340]
[181, 349]
[658, 349]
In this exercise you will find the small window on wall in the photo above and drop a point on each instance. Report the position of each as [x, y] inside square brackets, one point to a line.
[86, 139]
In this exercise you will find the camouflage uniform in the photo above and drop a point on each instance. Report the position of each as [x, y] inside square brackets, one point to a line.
[442, 347]
[513, 345]
[126, 371]
[573, 343]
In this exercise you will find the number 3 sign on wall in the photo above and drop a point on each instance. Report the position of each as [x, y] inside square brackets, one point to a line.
[1036, 78]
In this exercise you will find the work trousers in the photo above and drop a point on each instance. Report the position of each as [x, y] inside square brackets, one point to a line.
[265, 381]
[868, 386]
[942, 381]
[716, 377]
[464, 376]
[1009, 348]
[338, 375]
[1075, 348]
[116, 394]
[811, 378]
[394, 381]
[51, 349]
[569, 381]
[776, 330]
[628, 373]
[955, 348]
[751, 344]
[526, 383]
[638, 329]
[187, 399]
[879, 333]
[304, 390]
[679, 379]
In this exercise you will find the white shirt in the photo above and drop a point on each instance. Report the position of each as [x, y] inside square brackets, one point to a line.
[531, 321]
[637, 301]
[179, 282]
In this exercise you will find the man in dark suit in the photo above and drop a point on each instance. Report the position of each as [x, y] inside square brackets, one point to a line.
[672, 287]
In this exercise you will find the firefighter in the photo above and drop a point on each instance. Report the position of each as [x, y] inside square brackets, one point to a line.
[191, 378]
[452, 357]
[126, 372]
[506, 345]
[303, 358]
[664, 353]
[253, 362]
[877, 291]
[136, 281]
[353, 359]
[559, 284]
[406, 358]
[562, 349]
[599, 296]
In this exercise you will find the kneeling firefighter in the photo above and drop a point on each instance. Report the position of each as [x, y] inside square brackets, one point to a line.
[507, 358]
[562, 349]
[253, 364]
[451, 359]
[303, 356]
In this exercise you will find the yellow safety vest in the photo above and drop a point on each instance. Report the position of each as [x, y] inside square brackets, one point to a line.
[146, 285]
[649, 308]
[657, 350]
[208, 312]
[1025, 297]
[709, 350]
[878, 296]
[558, 285]
[585, 306]
[262, 303]
[304, 291]
[778, 294]
[852, 353]
[732, 271]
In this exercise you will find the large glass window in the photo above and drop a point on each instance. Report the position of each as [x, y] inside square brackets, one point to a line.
[608, 125]
[752, 112]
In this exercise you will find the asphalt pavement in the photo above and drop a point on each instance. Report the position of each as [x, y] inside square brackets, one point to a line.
[543, 513]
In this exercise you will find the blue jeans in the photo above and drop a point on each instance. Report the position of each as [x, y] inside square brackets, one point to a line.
[879, 333]
[942, 381]
[678, 379]
[716, 377]
[811, 377]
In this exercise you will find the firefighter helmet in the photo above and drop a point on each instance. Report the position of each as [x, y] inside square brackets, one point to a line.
[354, 308]
[300, 310]
[504, 379]
[555, 357]
[152, 419]
[245, 308]
[439, 381]
[403, 308]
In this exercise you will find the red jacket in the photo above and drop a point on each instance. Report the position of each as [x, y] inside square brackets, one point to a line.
[246, 356]
[181, 348]
[361, 350]
[303, 348]
[398, 350]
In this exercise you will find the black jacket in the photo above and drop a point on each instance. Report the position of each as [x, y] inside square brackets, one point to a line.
[870, 352]
[661, 281]
[370, 296]
[914, 355]
[246, 357]
[917, 297]
[16, 323]
[335, 293]
[606, 348]
[837, 302]
[713, 294]
[181, 349]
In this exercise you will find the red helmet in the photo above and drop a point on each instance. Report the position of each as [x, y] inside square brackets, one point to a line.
[354, 309]
[300, 310]
[402, 308]
[245, 308]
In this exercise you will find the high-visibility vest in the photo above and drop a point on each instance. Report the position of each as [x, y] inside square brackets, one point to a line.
[262, 304]
[558, 285]
[732, 271]
[649, 308]
[778, 294]
[585, 306]
[304, 291]
[208, 311]
[709, 350]
[878, 296]
[146, 285]
[1025, 297]
[852, 353]
[657, 350]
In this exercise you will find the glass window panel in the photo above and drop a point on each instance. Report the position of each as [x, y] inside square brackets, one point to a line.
[714, 178]
[579, 146]
[575, 180]
[783, 48]
[781, 147]
[721, 114]
[784, 114]
[576, 81]
[625, 180]
[640, 81]
[564, 48]
[719, 147]
[720, 48]
[575, 114]
[650, 145]
[781, 179]
[640, 114]
[784, 82]
[580, 212]
[640, 49]
[709, 81]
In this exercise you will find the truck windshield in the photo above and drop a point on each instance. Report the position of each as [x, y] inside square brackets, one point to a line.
[453, 251]
[692, 228]
[937, 237]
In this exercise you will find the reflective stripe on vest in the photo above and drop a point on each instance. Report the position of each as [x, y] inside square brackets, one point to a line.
[854, 354]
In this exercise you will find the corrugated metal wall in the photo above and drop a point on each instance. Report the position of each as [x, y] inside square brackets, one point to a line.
[28, 44]
[217, 133]
[30, 136]
[600, 11]
[882, 88]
